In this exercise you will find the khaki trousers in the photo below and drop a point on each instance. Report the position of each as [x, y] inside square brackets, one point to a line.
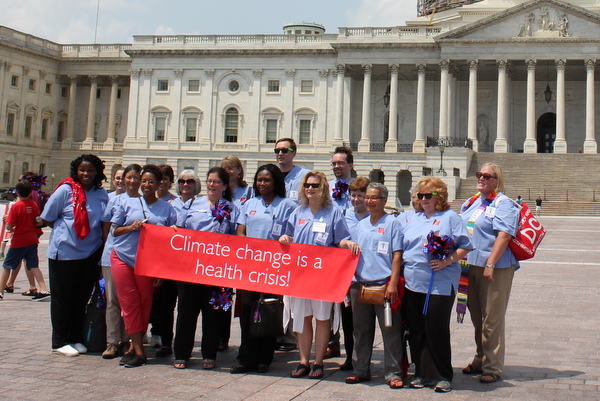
[487, 304]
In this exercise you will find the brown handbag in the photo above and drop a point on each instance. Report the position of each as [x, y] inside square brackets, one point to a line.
[373, 294]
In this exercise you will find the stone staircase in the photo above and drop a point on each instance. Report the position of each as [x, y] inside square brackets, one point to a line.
[568, 183]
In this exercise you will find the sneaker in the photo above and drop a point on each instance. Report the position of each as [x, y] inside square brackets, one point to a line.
[443, 386]
[155, 341]
[164, 352]
[124, 348]
[135, 361]
[40, 296]
[82, 349]
[126, 358]
[110, 352]
[66, 350]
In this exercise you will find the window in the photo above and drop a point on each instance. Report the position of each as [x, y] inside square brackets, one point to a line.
[298, 31]
[60, 134]
[307, 32]
[14, 81]
[64, 91]
[42, 170]
[25, 166]
[232, 118]
[6, 172]
[304, 132]
[118, 93]
[273, 86]
[306, 86]
[159, 128]
[45, 123]
[48, 88]
[98, 93]
[194, 85]
[163, 85]
[10, 124]
[271, 131]
[191, 125]
[28, 123]
[32, 83]
[233, 86]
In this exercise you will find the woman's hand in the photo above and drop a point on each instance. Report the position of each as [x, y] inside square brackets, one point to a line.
[488, 274]
[438, 264]
[137, 225]
[285, 240]
[174, 227]
[391, 292]
[353, 246]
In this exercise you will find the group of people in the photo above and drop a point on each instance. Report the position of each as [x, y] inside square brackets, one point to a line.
[408, 273]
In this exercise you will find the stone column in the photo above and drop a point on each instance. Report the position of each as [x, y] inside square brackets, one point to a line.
[530, 145]
[560, 144]
[259, 130]
[472, 112]
[453, 73]
[590, 145]
[176, 130]
[134, 98]
[321, 89]
[71, 109]
[501, 143]
[365, 133]
[91, 115]
[419, 144]
[391, 146]
[339, 105]
[443, 126]
[112, 112]
[205, 142]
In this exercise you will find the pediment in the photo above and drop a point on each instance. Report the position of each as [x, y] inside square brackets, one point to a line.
[552, 20]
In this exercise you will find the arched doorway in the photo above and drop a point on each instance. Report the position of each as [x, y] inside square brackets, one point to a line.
[403, 185]
[377, 176]
[546, 133]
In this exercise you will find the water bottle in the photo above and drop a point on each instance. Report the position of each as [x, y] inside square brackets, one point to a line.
[387, 313]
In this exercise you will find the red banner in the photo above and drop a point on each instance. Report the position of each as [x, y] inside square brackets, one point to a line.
[253, 264]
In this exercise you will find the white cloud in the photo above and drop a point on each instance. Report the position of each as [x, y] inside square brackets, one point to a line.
[383, 13]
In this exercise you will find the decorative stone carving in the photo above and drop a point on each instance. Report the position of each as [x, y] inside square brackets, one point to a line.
[502, 64]
[531, 64]
[93, 78]
[421, 68]
[135, 73]
[444, 64]
[25, 71]
[113, 79]
[561, 64]
[590, 64]
[148, 72]
[43, 74]
[394, 68]
[7, 66]
[178, 72]
[563, 27]
[323, 73]
[473, 64]
[546, 26]
[290, 73]
[257, 73]
[73, 78]
[367, 68]
[210, 73]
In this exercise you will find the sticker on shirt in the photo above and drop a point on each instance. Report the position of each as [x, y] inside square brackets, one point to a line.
[252, 212]
[381, 230]
[383, 247]
[322, 238]
[490, 212]
[293, 195]
[301, 222]
[319, 227]
[243, 200]
[436, 222]
[276, 229]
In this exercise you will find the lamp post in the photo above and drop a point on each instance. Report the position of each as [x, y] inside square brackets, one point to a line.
[53, 176]
[441, 147]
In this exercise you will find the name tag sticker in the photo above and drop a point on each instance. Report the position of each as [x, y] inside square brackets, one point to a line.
[490, 212]
[293, 195]
[276, 230]
[383, 247]
[319, 227]
[322, 238]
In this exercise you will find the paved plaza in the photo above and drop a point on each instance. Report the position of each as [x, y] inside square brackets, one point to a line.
[553, 341]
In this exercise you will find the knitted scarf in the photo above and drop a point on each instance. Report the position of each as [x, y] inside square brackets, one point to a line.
[82, 223]
[463, 284]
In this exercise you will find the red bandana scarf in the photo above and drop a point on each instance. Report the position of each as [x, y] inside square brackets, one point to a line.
[82, 223]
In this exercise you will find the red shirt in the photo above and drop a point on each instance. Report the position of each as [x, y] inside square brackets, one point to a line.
[22, 216]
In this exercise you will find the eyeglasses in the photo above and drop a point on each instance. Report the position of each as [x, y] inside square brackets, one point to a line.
[338, 164]
[132, 179]
[373, 198]
[357, 196]
[283, 150]
[148, 182]
[313, 186]
[118, 178]
[209, 182]
[485, 176]
[427, 196]
[189, 182]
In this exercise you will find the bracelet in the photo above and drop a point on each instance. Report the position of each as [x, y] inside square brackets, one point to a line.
[489, 266]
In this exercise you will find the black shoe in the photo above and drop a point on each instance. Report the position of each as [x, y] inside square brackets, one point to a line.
[287, 347]
[262, 368]
[126, 358]
[223, 345]
[346, 366]
[136, 361]
[164, 352]
[238, 369]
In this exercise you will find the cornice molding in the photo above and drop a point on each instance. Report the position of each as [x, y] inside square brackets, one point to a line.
[228, 52]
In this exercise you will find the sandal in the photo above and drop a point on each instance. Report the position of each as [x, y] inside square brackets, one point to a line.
[470, 370]
[10, 289]
[488, 378]
[354, 379]
[32, 292]
[208, 364]
[301, 371]
[316, 372]
[180, 364]
[396, 383]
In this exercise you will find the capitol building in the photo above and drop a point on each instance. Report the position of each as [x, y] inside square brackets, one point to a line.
[465, 77]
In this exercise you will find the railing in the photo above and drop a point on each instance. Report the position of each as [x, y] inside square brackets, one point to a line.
[389, 31]
[405, 148]
[351, 145]
[230, 39]
[377, 147]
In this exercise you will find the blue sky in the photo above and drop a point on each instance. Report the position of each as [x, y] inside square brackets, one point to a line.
[73, 21]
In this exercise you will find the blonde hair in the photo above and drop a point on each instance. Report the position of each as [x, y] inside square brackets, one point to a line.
[323, 199]
[234, 161]
[498, 173]
[434, 184]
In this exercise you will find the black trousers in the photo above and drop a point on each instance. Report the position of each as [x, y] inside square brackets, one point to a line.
[194, 298]
[71, 285]
[430, 334]
[347, 327]
[253, 351]
[166, 301]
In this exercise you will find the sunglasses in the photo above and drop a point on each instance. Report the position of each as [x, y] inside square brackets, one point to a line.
[485, 176]
[189, 182]
[426, 196]
[313, 186]
[282, 150]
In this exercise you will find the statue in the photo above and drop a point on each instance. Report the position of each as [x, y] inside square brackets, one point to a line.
[483, 134]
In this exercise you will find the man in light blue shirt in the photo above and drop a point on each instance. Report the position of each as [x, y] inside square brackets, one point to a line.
[285, 152]
[342, 164]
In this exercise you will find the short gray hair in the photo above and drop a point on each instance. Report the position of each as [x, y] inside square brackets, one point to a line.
[194, 176]
[383, 191]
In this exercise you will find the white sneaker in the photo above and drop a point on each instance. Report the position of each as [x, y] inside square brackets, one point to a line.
[80, 348]
[155, 341]
[67, 350]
